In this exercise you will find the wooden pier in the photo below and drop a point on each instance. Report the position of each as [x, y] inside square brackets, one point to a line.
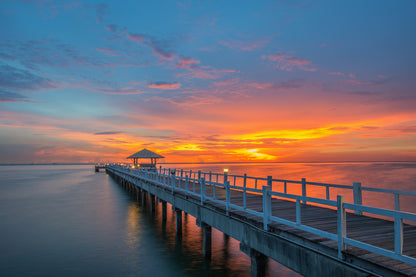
[99, 166]
[313, 236]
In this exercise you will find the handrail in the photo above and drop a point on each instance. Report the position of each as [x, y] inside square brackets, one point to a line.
[267, 193]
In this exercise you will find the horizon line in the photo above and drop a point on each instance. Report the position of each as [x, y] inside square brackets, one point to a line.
[222, 162]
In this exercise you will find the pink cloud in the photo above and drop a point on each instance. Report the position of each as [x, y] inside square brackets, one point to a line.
[136, 37]
[184, 62]
[165, 85]
[352, 75]
[288, 63]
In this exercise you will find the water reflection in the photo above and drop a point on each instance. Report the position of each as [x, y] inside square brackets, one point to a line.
[186, 248]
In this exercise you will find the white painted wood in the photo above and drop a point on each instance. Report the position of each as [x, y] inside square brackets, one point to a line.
[298, 212]
[202, 190]
[358, 198]
[245, 192]
[304, 188]
[266, 207]
[397, 202]
[341, 224]
[227, 196]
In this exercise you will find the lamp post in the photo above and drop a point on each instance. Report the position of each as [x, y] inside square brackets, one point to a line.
[225, 174]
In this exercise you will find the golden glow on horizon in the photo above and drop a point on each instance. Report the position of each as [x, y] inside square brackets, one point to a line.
[189, 147]
[372, 139]
[288, 135]
[254, 154]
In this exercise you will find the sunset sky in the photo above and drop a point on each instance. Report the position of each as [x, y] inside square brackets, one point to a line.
[207, 81]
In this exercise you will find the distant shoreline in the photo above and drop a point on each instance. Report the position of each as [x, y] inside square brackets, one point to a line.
[245, 162]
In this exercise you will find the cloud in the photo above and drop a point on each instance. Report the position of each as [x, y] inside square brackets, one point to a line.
[12, 78]
[336, 73]
[288, 63]
[160, 47]
[205, 73]
[195, 70]
[101, 10]
[112, 28]
[244, 45]
[109, 52]
[109, 133]
[360, 83]
[186, 62]
[165, 85]
[119, 91]
[6, 96]
[50, 53]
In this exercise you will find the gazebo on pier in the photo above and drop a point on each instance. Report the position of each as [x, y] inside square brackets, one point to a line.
[146, 155]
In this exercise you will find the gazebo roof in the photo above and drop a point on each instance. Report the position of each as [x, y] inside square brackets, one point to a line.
[144, 154]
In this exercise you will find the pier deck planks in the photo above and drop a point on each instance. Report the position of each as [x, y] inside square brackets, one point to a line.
[374, 231]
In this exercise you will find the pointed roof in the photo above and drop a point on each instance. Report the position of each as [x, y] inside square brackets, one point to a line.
[144, 154]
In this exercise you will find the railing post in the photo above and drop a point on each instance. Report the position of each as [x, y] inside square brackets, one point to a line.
[225, 177]
[186, 184]
[199, 176]
[213, 185]
[327, 192]
[304, 189]
[358, 197]
[341, 224]
[173, 184]
[298, 212]
[245, 191]
[202, 183]
[227, 197]
[269, 182]
[398, 234]
[266, 207]
[181, 173]
[397, 202]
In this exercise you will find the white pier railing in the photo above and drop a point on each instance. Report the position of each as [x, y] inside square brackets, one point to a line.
[240, 183]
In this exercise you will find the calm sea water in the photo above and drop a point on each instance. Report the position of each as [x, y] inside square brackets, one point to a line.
[69, 221]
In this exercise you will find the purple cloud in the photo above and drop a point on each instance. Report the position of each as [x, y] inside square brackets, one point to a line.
[12, 78]
[6, 96]
[165, 85]
[109, 133]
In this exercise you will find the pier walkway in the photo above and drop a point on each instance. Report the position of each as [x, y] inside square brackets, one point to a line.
[313, 236]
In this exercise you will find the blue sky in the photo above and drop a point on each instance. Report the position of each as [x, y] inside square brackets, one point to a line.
[207, 81]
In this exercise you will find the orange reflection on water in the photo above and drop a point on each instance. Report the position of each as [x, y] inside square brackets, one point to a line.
[226, 256]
